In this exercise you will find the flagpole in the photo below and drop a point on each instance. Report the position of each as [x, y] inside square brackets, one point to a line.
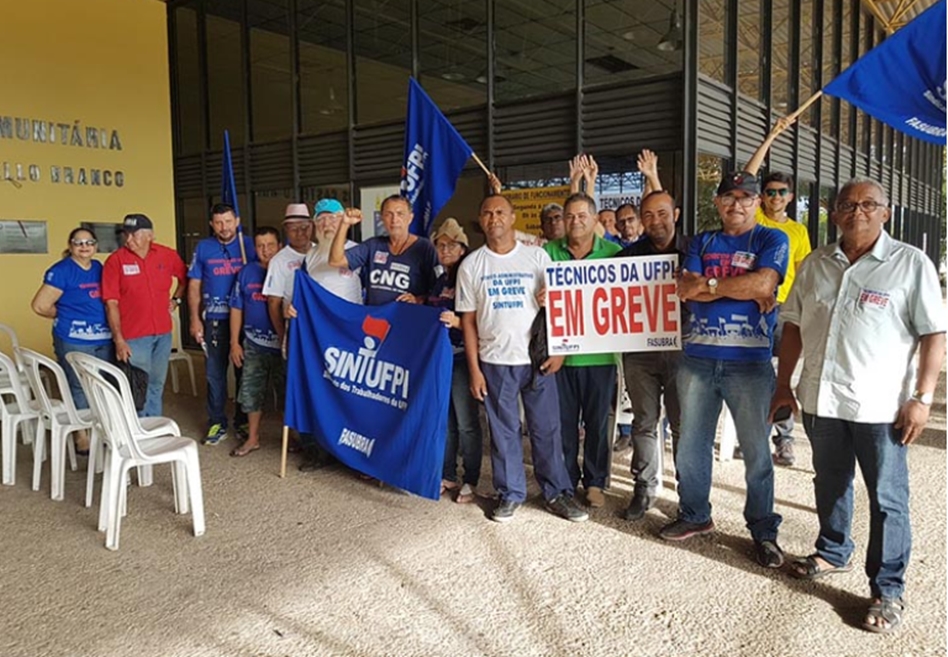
[480, 164]
[800, 110]
[240, 238]
[286, 444]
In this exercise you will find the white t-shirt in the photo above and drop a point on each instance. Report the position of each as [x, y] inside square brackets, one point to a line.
[341, 281]
[502, 290]
[282, 268]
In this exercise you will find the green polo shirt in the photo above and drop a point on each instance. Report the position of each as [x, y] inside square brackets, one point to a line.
[601, 249]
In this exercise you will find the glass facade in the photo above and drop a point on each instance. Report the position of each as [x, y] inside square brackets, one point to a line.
[314, 94]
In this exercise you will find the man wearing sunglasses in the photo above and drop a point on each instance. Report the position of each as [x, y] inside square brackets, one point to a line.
[776, 197]
[728, 282]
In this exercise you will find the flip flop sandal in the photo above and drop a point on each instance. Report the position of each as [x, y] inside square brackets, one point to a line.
[244, 451]
[810, 569]
[889, 610]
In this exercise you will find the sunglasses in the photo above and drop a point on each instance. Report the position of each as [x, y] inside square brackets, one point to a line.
[776, 192]
[83, 242]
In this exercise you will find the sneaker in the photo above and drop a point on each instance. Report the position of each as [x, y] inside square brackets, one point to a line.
[215, 434]
[505, 511]
[623, 443]
[783, 455]
[595, 498]
[682, 529]
[641, 502]
[565, 507]
[243, 432]
[769, 554]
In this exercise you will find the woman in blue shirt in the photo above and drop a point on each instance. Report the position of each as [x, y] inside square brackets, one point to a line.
[464, 427]
[70, 296]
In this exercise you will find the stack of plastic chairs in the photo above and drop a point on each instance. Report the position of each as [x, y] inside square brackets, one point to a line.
[17, 412]
[114, 410]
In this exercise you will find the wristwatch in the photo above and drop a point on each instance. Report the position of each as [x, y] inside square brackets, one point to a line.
[923, 397]
[177, 300]
[713, 286]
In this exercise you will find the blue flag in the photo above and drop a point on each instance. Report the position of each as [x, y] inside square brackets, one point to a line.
[434, 155]
[228, 187]
[372, 384]
[901, 81]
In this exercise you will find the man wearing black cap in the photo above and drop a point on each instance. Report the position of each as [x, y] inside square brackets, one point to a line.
[728, 283]
[137, 285]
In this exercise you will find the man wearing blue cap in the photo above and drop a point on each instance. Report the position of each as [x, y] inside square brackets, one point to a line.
[728, 283]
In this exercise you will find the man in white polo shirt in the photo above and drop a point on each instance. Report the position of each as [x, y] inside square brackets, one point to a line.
[858, 312]
[299, 232]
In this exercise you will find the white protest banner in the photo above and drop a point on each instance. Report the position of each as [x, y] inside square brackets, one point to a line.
[613, 305]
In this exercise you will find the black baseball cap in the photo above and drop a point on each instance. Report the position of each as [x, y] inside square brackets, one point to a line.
[135, 222]
[739, 180]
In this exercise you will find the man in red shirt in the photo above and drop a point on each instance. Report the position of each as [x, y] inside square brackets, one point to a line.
[137, 285]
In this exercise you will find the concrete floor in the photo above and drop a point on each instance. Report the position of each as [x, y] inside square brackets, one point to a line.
[326, 564]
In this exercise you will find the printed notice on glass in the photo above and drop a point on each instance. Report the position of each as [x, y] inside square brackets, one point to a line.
[23, 236]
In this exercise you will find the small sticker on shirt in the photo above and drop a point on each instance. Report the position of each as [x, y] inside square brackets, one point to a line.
[131, 270]
[743, 259]
[381, 257]
[873, 298]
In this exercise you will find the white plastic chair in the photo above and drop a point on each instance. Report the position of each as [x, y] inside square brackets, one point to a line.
[144, 428]
[17, 411]
[20, 366]
[179, 355]
[113, 411]
[60, 416]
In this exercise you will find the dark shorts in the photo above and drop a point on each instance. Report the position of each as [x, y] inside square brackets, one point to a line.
[263, 371]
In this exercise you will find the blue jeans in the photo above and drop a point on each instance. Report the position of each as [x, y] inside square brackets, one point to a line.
[505, 384]
[217, 338]
[837, 446]
[464, 428]
[746, 388]
[62, 347]
[151, 354]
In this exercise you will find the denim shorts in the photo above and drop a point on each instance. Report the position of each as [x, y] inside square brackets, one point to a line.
[263, 370]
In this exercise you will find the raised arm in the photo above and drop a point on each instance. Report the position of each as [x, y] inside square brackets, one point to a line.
[648, 166]
[753, 165]
[337, 253]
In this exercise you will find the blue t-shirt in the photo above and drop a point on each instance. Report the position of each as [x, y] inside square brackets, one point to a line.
[216, 266]
[248, 296]
[80, 313]
[728, 329]
[387, 276]
[442, 297]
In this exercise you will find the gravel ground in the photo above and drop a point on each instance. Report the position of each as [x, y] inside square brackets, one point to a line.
[327, 564]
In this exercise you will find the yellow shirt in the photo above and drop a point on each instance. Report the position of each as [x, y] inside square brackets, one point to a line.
[799, 249]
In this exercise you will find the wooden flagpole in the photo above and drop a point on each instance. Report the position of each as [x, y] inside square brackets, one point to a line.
[800, 110]
[286, 445]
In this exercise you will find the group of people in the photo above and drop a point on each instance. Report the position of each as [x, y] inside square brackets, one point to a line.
[857, 311]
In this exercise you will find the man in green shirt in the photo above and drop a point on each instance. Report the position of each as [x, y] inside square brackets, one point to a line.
[586, 384]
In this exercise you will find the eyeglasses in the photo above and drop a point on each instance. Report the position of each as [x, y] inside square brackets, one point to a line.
[83, 242]
[448, 246]
[743, 201]
[849, 207]
[776, 192]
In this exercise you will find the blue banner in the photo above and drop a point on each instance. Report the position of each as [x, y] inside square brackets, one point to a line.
[435, 154]
[372, 384]
[901, 81]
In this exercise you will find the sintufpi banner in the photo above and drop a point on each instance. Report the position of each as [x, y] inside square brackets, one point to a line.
[613, 305]
[372, 384]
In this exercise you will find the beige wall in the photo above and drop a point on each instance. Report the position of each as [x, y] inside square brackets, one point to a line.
[103, 64]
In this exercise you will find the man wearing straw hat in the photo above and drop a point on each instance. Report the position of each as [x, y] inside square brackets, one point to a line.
[214, 267]
[298, 226]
